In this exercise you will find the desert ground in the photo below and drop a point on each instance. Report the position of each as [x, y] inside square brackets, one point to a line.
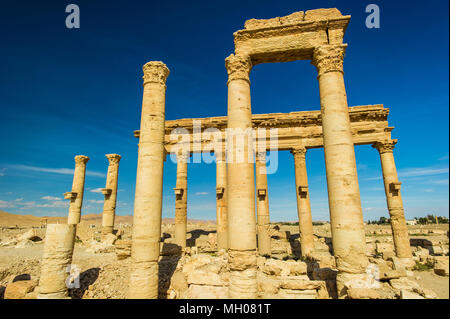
[102, 267]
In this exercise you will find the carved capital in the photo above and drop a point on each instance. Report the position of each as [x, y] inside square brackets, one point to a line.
[81, 159]
[238, 67]
[261, 156]
[155, 72]
[299, 151]
[113, 158]
[329, 58]
[385, 146]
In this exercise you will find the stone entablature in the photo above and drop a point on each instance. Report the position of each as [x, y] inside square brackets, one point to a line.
[368, 123]
[292, 37]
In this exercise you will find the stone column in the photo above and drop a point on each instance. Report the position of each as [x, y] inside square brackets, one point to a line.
[303, 202]
[181, 201]
[110, 192]
[149, 181]
[57, 257]
[262, 204]
[76, 195]
[221, 200]
[241, 181]
[347, 225]
[394, 198]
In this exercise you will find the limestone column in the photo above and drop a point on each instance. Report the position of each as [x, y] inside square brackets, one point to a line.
[347, 225]
[149, 181]
[58, 250]
[181, 201]
[110, 192]
[76, 195]
[262, 204]
[303, 202]
[394, 198]
[240, 179]
[221, 200]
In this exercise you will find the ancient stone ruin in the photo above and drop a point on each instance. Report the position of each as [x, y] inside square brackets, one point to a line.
[241, 262]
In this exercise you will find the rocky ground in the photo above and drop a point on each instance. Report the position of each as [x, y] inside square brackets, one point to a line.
[202, 271]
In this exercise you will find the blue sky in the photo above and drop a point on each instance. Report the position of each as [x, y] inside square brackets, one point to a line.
[65, 92]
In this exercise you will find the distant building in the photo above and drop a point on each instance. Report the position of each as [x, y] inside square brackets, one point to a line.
[411, 222]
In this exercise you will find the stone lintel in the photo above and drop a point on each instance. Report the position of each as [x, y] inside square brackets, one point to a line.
[292, 37]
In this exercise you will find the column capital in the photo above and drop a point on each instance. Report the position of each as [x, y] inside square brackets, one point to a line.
[261, 156]
[386, 146]
[329, 58]
[81, 159]
[155, 72]
[113, 158]
[299, 151]
[238, 67]
[183, 157]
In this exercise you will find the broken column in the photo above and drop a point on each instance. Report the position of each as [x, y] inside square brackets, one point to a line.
[221, 200]
[394, 199]
[347, 225]
[76, 195]
[262, 204]
[303, 203]
[240, 179]
[181, 200]
[149, 181]
[56, 261]
[110, 192]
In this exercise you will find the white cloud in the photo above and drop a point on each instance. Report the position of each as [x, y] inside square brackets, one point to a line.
[96, 190]
[201, 193]
[413, 172]
[443, 158]
[18, 199]
[2, 171]
[52, 198]
[64, 171]
[95, 201]
[6, 204]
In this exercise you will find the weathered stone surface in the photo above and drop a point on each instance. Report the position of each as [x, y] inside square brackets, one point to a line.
[407, 294]
[322, 14]
[284, 268]
[207, 292]
[441, 265]
[362, 293]
[19, 289]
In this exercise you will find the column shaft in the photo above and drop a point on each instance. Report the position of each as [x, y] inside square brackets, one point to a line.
[181, 202]
[145, 246]
[394, 199]
[110, 192]
[76, 196]
[262, 205]
[240, 179]
[221, 201]
[346, 217]
[58, 251]
[303, 203]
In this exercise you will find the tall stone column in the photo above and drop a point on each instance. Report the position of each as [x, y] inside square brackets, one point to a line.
[57, 257]
[221, 200]
[110, 192]
[181, 201]
[303, 202]
[76, 195]
[394, 198]
[347, 225]
[240, 179]
[149, 181]
[262, 204]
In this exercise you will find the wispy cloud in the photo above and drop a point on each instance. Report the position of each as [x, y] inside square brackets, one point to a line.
[96, 190]
[95, 201]
[201, 193]
[51, 198]
[63, 171]
[443, 158]
[2, 171]
[413, 172]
